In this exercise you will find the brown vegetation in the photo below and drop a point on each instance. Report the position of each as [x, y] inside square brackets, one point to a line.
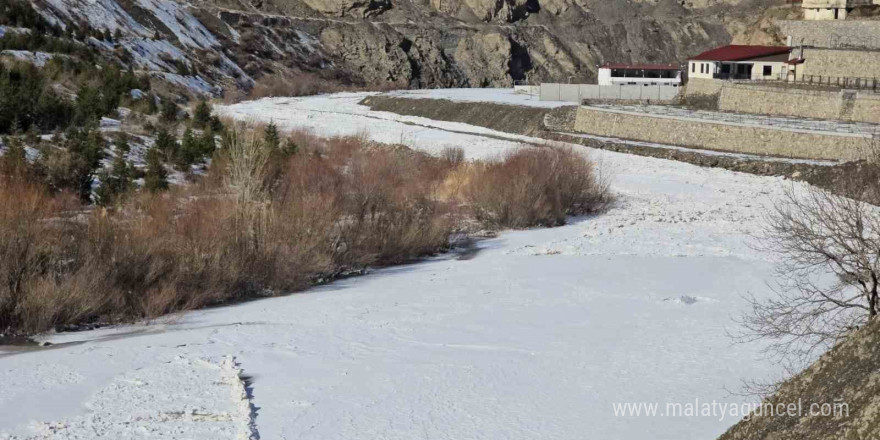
[264, 221]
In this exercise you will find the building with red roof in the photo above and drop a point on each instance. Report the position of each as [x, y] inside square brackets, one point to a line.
[612, 74]
[741, 62]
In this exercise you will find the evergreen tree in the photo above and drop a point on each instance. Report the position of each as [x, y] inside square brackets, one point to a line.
[152, 108]
[166, 143]
[271, 138]
[122, 146]
[14, 161]
[169, 111]
[156, 176]
[189, 151]
[86, 145]
[206, 143]
[202, 115]
[115, 183]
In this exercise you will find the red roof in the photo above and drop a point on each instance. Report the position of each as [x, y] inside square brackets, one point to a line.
[740, 53]
[642, 66]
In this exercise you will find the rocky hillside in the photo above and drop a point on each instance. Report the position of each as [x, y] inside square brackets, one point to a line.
[847, 375]
[206, 46]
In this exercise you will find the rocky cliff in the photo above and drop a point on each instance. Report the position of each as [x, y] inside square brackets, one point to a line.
[411, 43]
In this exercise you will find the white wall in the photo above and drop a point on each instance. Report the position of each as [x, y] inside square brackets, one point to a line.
[707, 69]
[825, 14]
[701, 69]
[604, 76]
[580, 92]
[605, 79]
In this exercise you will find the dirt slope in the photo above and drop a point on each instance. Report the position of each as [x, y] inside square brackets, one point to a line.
[848, 374]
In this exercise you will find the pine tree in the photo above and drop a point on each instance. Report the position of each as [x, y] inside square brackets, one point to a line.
[207, 144]
[156, 176]
[166, 143]
[169, 110]
[14, 161]
[202, 115]
[188, 153]
[271, 138]
[115, 183]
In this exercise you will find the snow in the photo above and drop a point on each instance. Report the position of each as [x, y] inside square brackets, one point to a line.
[536, 336]
[188, 29]
[38, 59]
[195, 84]
[498, 96]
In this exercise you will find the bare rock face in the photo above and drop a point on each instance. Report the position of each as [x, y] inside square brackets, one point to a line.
[484, 58]
[375, 55]
[420, 43]
[354, 8]
[487, 10]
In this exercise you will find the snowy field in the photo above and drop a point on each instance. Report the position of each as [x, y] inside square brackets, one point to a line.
[537, 336]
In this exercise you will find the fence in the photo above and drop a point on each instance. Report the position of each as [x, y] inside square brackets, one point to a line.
[842, 82]
[624, 92]
[814, 80]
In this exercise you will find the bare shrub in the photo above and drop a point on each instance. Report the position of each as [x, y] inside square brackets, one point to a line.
[534, 186]
[297, 84]
[253, 227]
[454, 156]
[829, 252]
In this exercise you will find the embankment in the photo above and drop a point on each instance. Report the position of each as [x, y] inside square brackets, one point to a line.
[785, 100]
[741, 135]
[551, 124]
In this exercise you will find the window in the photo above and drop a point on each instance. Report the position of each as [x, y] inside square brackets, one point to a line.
[693, 67]
[768, 70]
[702, 68]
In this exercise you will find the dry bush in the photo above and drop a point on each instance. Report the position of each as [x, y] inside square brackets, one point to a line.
[254, 227]
[297, 84]
[33, 244]
[534, 186]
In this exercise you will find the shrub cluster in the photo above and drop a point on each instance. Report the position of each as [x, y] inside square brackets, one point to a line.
[269, 217]
[534, 186]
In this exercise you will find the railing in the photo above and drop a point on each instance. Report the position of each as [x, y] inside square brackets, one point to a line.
[841, 82]
[748, 77]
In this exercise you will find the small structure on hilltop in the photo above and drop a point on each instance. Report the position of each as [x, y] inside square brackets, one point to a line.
[639, 74]
[742, 62]
[832, 9]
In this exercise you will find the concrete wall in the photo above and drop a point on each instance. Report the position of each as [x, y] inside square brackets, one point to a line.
[840, 63]
[525, 90]
[863, 34]
[719, 136]
[580, 92]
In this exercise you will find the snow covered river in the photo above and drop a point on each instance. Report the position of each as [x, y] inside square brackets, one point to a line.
[538, 336]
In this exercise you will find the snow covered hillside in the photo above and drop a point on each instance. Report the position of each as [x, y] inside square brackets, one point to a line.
[537, 335]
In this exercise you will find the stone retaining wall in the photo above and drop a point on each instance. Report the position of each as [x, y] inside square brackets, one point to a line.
[861, 34]
[731, 137]
[778, 101]
[788, 101]
[841, 63]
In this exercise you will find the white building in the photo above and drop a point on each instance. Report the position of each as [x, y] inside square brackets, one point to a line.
[741, 62]
[832, 9]
[639, 74]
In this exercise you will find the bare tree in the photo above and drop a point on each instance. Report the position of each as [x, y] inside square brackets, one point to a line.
[829, 273]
